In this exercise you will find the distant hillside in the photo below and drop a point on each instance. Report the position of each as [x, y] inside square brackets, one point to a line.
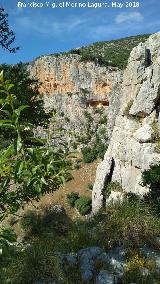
[113, 53]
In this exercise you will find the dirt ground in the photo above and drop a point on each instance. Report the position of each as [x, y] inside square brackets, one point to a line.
[81, 178]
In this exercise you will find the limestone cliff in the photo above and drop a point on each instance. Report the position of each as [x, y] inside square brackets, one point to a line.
[132, 146]
[71, 86]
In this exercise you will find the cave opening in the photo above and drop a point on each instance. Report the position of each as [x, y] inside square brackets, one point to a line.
[97, 103]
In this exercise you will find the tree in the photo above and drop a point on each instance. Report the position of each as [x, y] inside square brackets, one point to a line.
[26, 90]
[26, 172]
[7, 36]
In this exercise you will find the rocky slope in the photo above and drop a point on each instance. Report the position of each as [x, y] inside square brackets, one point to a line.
[133, 144]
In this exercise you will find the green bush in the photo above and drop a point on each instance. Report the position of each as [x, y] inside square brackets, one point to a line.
[101, 150]
[136, 265]
[151, 177]
[103, 120]
[74, 146]
[29, 221]
[84, 205]
[89, 154]
[72, 198]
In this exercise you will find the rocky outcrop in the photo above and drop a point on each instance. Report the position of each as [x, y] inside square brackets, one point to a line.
[132, 145]
[100, 267]
[70, 85]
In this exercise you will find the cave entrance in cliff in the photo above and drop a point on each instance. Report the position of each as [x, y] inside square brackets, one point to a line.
[97, 103]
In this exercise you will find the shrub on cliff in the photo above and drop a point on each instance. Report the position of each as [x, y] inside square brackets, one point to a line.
[101, 149]
[84, 205]
[151, 178]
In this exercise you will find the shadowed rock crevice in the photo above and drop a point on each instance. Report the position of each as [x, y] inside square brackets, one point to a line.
[148, 60]
[108, 179]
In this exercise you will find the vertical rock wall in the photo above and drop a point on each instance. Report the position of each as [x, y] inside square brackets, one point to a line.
[133, 142]
[69, 84]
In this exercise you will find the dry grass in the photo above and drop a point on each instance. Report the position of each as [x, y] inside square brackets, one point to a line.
[79, 183]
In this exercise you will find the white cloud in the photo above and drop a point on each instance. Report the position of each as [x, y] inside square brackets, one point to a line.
[129, 17]
[49, 27]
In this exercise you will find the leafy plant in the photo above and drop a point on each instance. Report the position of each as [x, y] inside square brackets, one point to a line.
[72, 198]
[26, 89]
[84, 205]
[29, 221]
[103, 120]
[151, 177]
[7, 236]
[28, 171]
[101, 149]
[92, 153]
[89, 154]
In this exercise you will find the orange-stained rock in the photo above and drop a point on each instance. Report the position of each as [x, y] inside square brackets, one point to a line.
[66, 74]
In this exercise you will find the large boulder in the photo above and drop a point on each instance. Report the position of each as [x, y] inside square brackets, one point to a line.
[87, 258]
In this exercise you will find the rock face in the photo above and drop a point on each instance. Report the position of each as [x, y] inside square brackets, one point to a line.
[133, 140]
[95, 265]
[70, 86]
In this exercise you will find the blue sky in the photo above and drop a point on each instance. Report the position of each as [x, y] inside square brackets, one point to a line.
[42, 31]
